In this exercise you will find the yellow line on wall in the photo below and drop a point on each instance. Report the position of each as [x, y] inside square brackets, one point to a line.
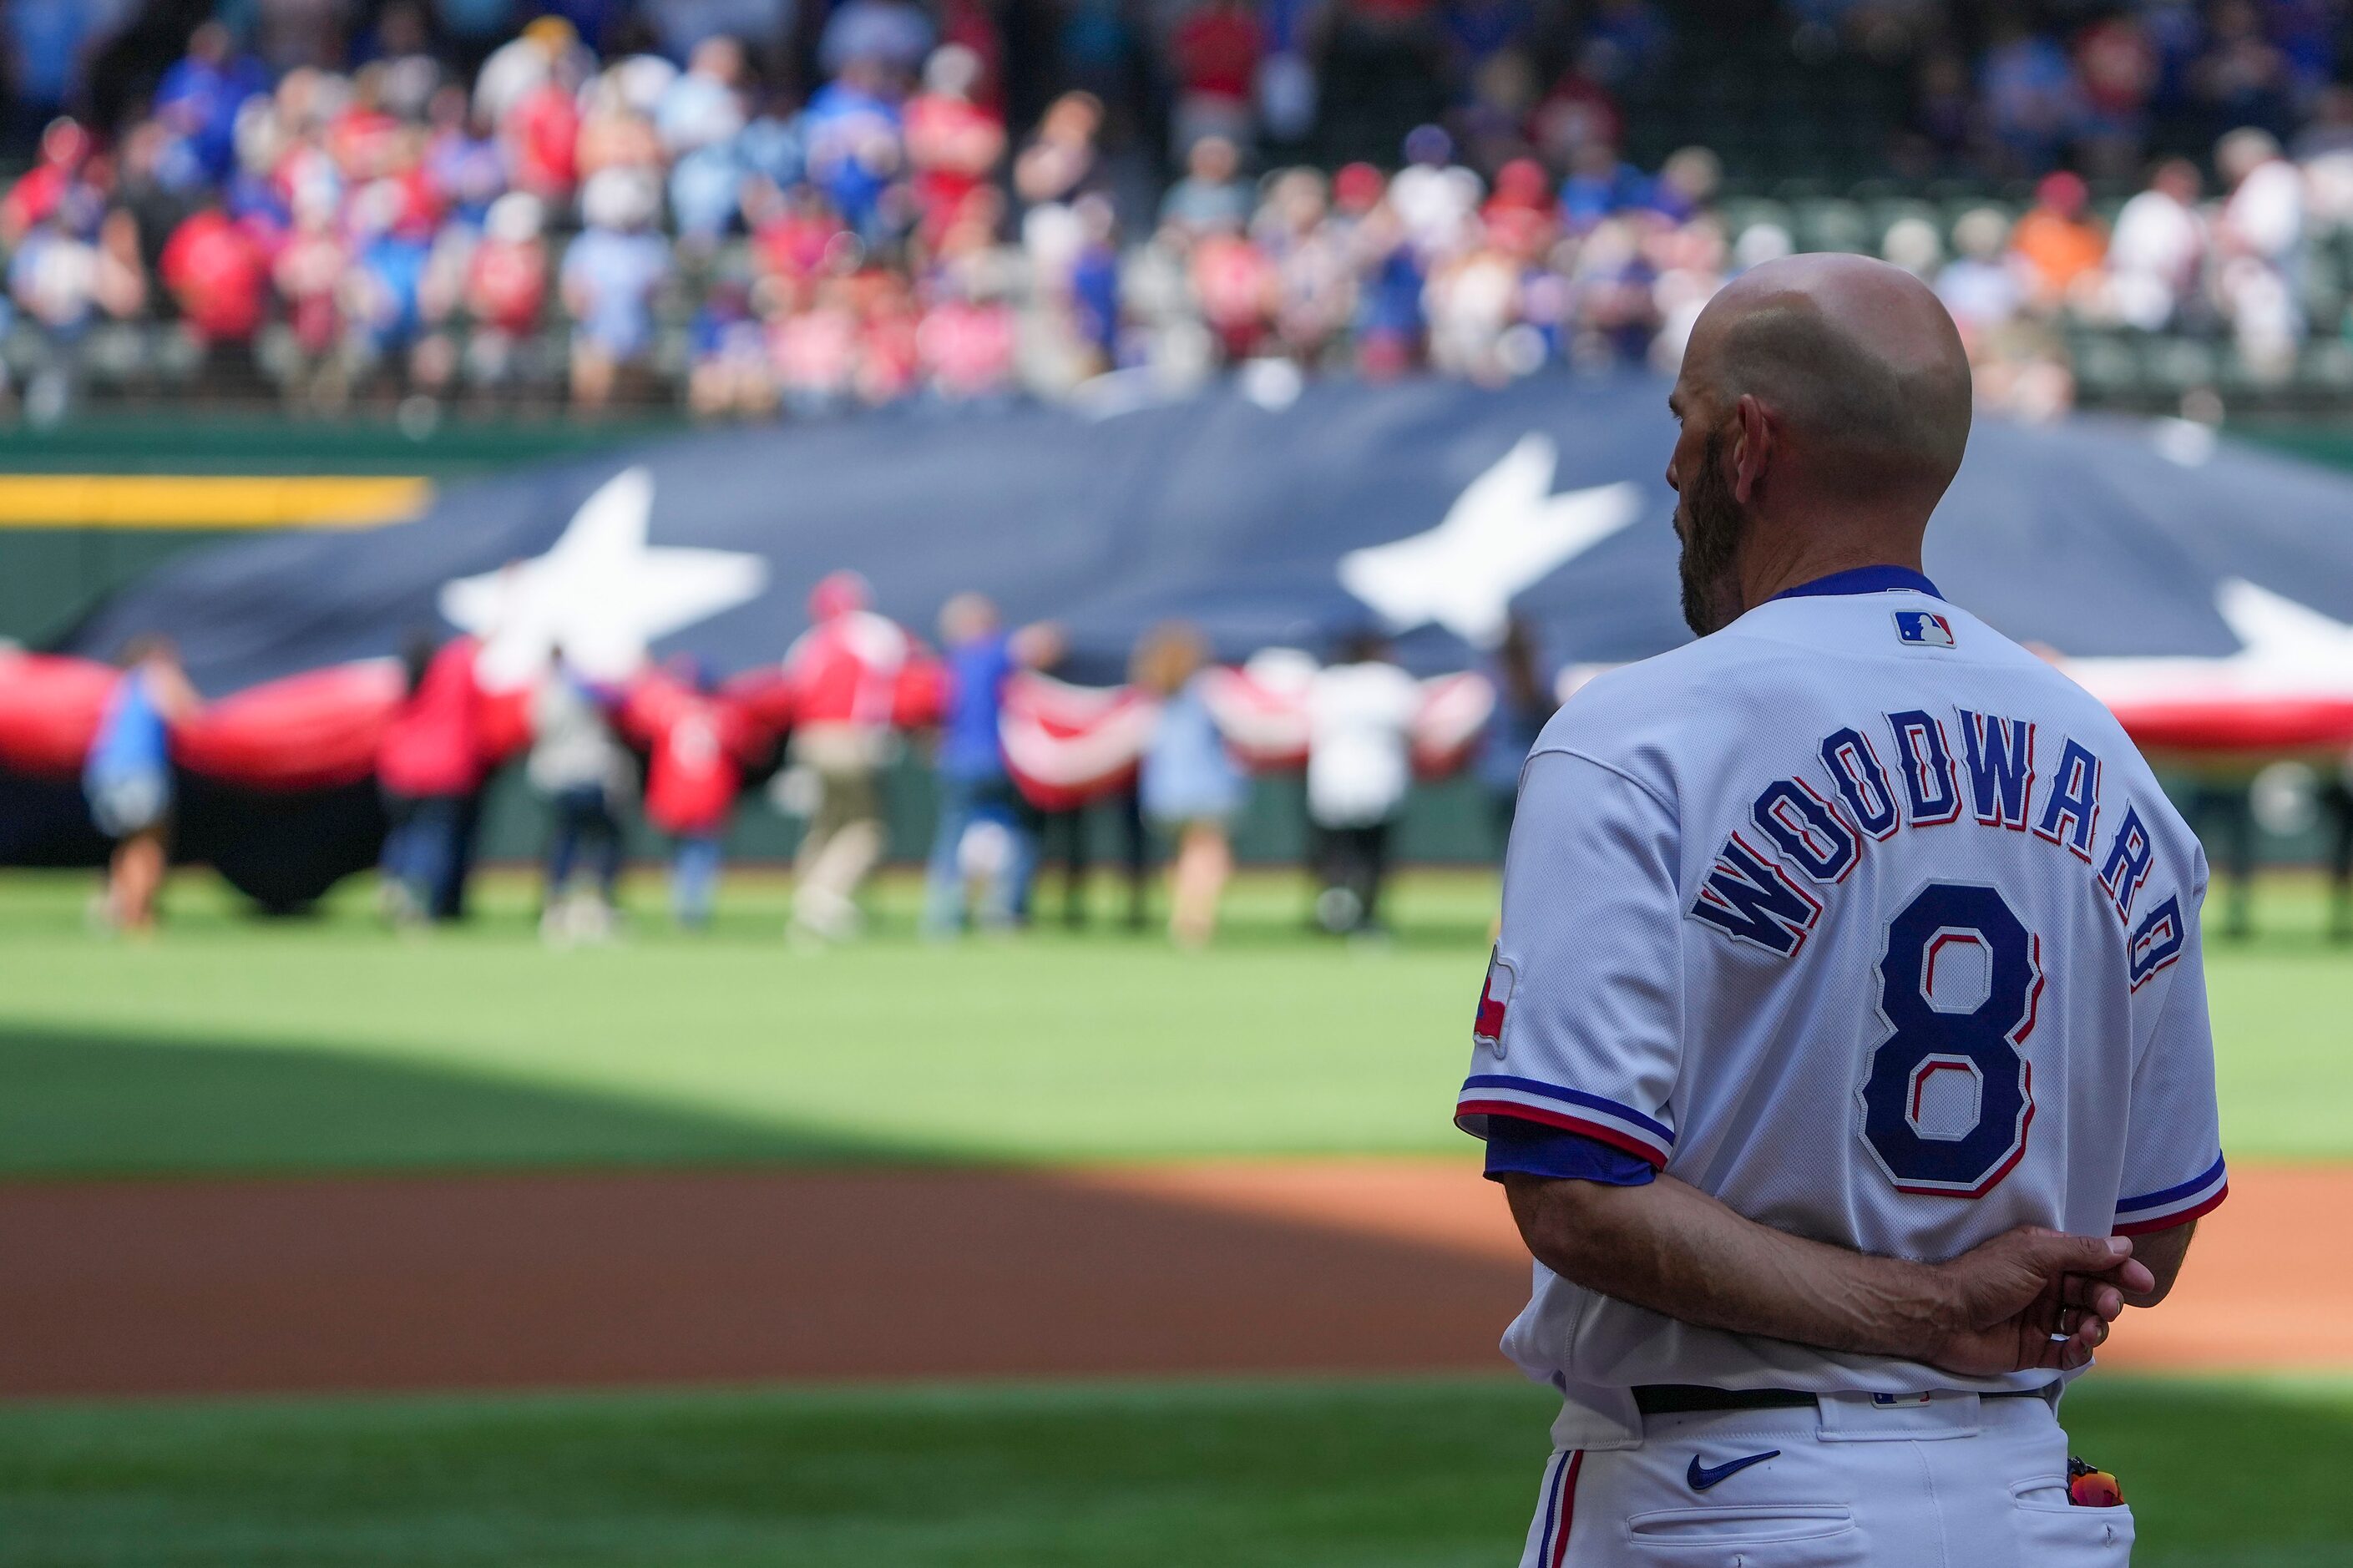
[208, 500]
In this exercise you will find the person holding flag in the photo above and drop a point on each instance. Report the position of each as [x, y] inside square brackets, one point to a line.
[698, 743]
[844, 673]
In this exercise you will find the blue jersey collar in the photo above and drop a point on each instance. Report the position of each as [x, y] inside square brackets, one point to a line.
[1864, 580]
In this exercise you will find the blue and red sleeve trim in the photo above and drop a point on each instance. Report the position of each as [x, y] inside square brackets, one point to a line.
[2175, 1205]
[1610, 1122]
[1517, 1147]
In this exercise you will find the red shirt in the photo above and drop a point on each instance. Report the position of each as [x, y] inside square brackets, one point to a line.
[433, 745]
[1217, 51]
[544, 135]
[967, 347]
[953, 145]
[846, 670]
[363, 143]
[218, 274]
[36, 194]
[697, 743]
[506, 284]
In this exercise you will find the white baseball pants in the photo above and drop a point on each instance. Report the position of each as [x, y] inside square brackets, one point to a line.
[1949, 1481]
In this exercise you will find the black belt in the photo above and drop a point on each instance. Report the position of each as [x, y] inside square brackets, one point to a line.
[1692, 1398]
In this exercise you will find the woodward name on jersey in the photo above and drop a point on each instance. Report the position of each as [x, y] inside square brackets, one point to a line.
[1919, 945]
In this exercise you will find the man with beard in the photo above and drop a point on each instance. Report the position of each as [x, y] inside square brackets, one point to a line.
[1844, 1054]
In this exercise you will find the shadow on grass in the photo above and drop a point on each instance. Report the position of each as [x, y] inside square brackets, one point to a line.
[1306, 1475]
[115, 1103]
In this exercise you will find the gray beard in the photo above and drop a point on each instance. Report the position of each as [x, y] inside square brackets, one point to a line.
[1712, 528]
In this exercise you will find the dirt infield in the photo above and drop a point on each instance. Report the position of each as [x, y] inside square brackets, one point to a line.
[583, 1279]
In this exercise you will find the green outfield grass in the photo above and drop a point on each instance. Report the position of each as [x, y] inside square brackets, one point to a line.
[1306, 1475]
[232, 1044]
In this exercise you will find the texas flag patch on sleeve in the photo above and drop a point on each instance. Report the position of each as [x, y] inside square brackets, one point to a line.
[1923, 629]
[1494, 1000]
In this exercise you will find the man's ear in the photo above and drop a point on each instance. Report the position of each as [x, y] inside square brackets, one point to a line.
[1752, 448]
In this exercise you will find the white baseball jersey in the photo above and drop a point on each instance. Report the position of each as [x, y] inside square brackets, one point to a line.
[1873, 925]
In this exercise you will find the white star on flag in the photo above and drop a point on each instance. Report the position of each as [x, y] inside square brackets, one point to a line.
[601, 592]
[1505, 532]
[2286, 650]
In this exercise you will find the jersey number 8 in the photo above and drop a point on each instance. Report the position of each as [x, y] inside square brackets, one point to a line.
[1949, 1095]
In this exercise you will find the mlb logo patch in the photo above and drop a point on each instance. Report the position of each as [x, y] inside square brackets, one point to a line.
[1923, 629]
[1494, 1001]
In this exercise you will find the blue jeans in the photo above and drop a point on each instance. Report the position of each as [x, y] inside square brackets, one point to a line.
[694, 878]
[420, 849]
[584, 821]
[965, 802]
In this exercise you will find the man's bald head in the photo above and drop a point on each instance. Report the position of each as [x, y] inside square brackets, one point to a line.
[1857, 362]
[1825, 404]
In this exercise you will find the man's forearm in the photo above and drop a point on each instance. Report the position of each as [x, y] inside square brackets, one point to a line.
[1671, 1247]
[2162, 1252]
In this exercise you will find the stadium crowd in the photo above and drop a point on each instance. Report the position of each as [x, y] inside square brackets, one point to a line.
[622, 202]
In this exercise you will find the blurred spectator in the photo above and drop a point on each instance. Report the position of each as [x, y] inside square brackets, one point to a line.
[2257, 241]
[2158, 247]
[856, 158]
[954, 144]
[127, 778]
[2058, 243]
[845, 672]
[197, 101]
[696, 742]
[219, 276]
[1913, 244]
[965, 346]
[1435, 197]
[730, 373]
[2033, 103]
[576, 765]
[610, 275]
[61, 172]
[1215, 54]
[309, 275]
[2118, 64]
[1212, 197]
[2242, 76]
[505, 287]
[699, 116]
[1315, 279]
[984, 835]
[1061, 160]
[1190, 788]
[1360, 713]
[1978, 286]
[1579, 110]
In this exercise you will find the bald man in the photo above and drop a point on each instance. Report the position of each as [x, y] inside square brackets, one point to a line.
[1844, 1055]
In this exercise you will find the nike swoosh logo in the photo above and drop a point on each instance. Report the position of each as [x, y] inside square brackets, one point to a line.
[1703, 1477]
